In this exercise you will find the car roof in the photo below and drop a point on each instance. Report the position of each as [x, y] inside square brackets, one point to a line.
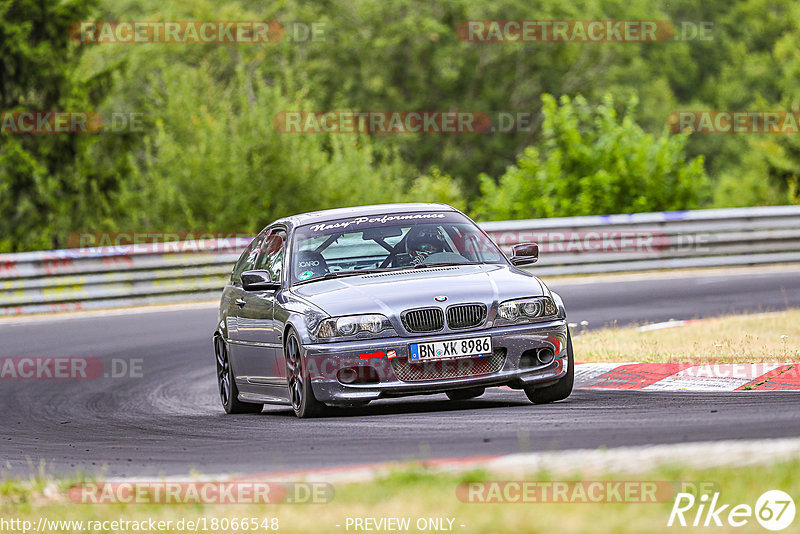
[362, 211]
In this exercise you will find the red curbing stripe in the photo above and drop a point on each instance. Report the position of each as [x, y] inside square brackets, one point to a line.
[457, 462]
[440, 463]
[637, 375]
[784, 378]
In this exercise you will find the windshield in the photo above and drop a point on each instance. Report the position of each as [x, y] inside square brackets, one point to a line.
[384, 242]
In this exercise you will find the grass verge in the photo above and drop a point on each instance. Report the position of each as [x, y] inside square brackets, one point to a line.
[420, 494]
[767, 337]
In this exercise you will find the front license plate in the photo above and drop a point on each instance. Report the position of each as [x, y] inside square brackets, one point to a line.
[456, 348]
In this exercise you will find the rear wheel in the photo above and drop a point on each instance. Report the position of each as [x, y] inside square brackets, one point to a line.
[561, 389]
[464, 394]
[304, 403]
[228, 392]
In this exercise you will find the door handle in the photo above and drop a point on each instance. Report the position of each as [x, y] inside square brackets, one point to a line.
[240, 302]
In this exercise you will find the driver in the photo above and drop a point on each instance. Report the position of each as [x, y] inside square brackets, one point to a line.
[423, 241]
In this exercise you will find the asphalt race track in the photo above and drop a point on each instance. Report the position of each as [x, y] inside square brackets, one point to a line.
[168, 421]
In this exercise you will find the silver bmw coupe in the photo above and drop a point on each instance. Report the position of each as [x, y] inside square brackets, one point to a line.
[345, 306]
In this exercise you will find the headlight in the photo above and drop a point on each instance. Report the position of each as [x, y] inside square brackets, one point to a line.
[352, 325]
[534, 308]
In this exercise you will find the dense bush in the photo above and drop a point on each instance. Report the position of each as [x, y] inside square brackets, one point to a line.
[50, 183]
[592, 161]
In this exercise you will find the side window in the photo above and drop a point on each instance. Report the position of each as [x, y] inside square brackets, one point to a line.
[248, 258]
[270, 258]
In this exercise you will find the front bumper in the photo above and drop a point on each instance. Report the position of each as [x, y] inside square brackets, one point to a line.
[517, 369]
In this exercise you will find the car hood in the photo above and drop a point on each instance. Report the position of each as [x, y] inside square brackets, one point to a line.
[393, 292]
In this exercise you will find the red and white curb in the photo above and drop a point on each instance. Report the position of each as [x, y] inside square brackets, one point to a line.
[688, 377]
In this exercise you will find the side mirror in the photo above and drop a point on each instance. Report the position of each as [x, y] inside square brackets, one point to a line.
[259, 281]
[525, 254]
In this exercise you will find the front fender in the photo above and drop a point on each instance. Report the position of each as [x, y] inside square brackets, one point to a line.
[300, 324]
[222, 313]
[297, 313]
[562, 310]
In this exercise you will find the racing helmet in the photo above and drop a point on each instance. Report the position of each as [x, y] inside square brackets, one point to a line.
[424, 240]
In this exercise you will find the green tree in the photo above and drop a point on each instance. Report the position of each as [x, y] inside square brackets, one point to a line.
[437, 187]
[49, 183]
[212, 159]
[592, 161]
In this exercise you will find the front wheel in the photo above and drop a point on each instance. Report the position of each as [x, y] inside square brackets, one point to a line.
[228, 392]
[304, 403]
[561, 389]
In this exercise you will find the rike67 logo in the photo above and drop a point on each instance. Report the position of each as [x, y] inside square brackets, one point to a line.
[774, 510]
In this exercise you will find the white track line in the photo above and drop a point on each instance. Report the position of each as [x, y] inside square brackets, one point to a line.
[588, 372]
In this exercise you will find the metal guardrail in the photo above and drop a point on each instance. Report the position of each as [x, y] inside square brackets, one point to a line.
[103, 277]
[662, 240]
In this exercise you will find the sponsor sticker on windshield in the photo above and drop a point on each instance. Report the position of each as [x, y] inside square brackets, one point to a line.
[381, 220]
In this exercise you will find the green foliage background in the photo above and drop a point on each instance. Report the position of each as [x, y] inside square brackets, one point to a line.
[208, 158]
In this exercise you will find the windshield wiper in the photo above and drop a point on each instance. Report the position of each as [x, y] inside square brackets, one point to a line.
[445, 264]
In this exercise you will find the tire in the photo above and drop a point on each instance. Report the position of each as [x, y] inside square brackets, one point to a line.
[228, 392]
[301, 393]
[464, 394]
[561, 389]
